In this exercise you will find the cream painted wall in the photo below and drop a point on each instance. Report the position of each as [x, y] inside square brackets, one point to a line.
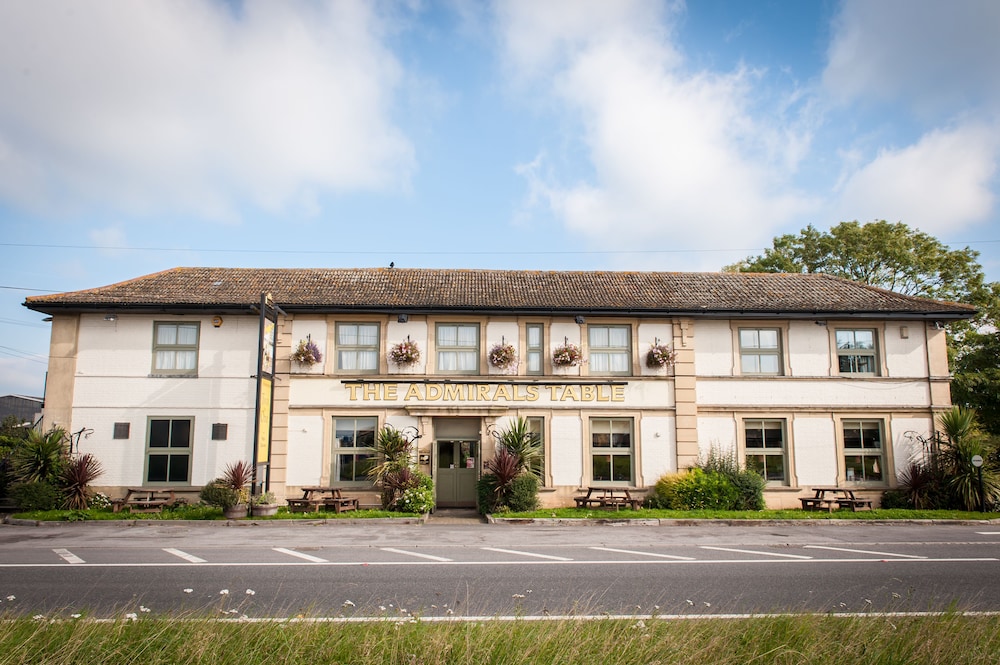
[647, 334]
[560, 333]
[305, 450]
[906, 357]
[659, 449]
[398, 332]
[567, 447]
[713, 348]
[905, 446]
[508, 332]
[808, 349]
[829, 392]
[717, 432]
[316, 329]
[815, 450]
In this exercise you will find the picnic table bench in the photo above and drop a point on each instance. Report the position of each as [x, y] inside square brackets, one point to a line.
[146, 499]
[329, 498]
[608, 497]
[825, 498]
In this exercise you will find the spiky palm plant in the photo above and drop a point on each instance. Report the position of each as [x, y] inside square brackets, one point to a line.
[77, 476]
[392, 450]
[41, 457]
[965, 441]
[523, 444]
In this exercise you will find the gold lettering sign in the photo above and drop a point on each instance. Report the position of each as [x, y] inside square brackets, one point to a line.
[483, 392]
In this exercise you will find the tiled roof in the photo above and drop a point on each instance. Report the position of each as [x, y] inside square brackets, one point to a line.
[403, 289]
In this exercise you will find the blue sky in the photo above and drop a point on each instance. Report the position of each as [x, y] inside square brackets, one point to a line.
[584, 135]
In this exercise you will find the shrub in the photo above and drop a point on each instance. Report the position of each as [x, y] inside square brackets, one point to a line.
[418, 496]
[523, 495]
[895, 499]
[77, 476]
[41, 457]
[710, 490]
[748, 483]
[486, 494]
[664, 494]
[218, 493]
[36, 496]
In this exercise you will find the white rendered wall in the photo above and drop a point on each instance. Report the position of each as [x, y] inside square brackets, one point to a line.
[497, 331]
[305, 450]
[646, 335]
[815, 451]
[829, 392]
[808, 349]
[567, 450]
[905, 445]
[906, 356]
[718, 433]
[713, 348]
[397, 332]
[659, 449]
[316, 330]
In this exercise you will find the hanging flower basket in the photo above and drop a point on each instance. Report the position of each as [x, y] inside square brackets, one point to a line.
[404, 353]
[502, 355]
[659, 356]
[307, 352]
[567, 355]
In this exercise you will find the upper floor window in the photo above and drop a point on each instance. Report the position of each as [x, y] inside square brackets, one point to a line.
[357, 347]
[856, 353]
[760, 351]
[765, 449]
[610, 349]
[864, 454]
[175, 348]
[458, 348]
[535, 356]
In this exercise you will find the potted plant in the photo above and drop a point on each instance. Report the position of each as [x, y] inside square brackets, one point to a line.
[502, 355]
[264, 505]
[231, 491]
[307, 353]
[660, 355]
[567, 355]
[405, 353]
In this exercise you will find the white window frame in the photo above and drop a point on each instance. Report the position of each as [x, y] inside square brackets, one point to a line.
[851, 353]
[357, 349]
[615, 426]
[766, 452]
[457, 351]
[181, 451]
[166, 364]
[338, 448]
[600, 358]
[755, 352]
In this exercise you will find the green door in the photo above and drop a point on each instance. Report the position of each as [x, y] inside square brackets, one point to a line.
[457, 473]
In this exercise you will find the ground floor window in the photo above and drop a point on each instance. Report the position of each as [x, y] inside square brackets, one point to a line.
[611, 450]
[765, 449]
[353, 449]
[168, 450]
[864, 453]
[536, 426]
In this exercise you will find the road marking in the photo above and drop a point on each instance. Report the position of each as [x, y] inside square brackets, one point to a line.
[540, 556]
[664, 556]
[190, 558]
[988, 533]
[728, 549]
[423, 556]
[69, 556]
[301, 555]
[844, 549]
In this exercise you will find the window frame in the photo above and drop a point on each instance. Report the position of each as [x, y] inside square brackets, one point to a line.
[534, 350]
[854, 352]
[337, 450]
[595, 351]
[157, 450]
[358, 348]
[610, 450]
[784, 452]
[158, 347]
[882, 454]
[759, 352]
[475, 350]
[536, 425]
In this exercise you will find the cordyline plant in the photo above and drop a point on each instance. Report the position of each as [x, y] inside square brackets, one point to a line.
[393, 469]
[77, 477]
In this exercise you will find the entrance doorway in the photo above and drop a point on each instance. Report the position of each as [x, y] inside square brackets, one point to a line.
[457, 473]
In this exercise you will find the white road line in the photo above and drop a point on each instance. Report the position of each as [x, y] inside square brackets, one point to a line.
[69, 556]
[422, 556]
[540, 556]
[190, 558]
[988, 533]
[844, 549]
[301, 555]
[728, 549]
[663, 556]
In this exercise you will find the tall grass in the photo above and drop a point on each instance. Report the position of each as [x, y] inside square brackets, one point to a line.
[822, 639]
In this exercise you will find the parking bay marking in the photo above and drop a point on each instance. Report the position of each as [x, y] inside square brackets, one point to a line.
[663, 556]
[301, 555]
[190, 558]
[68, 556]
[417, 554]
[844, 549]
[540, 556]
[728, 549]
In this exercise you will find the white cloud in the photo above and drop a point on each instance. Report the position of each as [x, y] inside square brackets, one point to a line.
[933, 56]
[677, 156]
[940, 184]
[192, 106]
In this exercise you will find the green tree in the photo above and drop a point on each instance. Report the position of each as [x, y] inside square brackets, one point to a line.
[976, 383]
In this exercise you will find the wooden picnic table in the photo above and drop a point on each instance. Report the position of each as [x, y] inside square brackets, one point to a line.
[825, 498]
[608, 497]
[314, 498]
[146, 499]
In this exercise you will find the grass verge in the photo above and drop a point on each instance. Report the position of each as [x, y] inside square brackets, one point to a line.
[795, 514]
[950, 638]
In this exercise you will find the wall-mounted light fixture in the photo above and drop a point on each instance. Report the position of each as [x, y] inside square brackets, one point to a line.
[216, 321]
[904, 332]
[579, 319]
[110, 317]
[820, 323]
[402, 318]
